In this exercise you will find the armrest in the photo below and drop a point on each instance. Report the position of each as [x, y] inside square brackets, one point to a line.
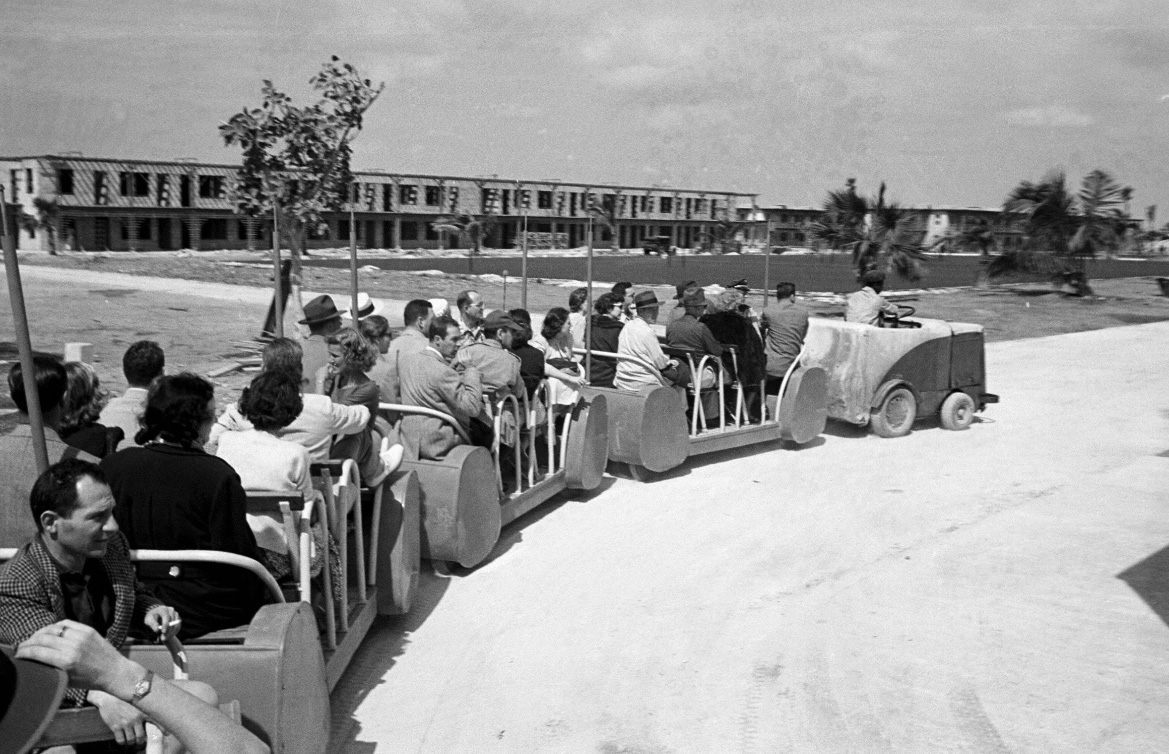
[211, 556]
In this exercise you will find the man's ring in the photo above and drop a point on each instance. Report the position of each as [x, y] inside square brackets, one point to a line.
[61, 630]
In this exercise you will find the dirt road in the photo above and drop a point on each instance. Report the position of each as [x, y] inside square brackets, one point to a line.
[943, 592]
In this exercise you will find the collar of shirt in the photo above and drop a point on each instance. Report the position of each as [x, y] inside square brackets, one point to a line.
[62, 569]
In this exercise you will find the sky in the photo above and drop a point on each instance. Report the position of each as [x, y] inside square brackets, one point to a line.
[949, 102]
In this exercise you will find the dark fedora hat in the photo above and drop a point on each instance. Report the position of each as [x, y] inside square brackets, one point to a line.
[320, 309]
[694, 297]
[645, 300]
[683, 287]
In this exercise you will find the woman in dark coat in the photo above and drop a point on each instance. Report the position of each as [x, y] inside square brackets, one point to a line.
[605, 330]
[171, 495]
[727, 320]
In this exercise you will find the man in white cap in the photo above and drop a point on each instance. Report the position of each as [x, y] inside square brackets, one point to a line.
[366, 307]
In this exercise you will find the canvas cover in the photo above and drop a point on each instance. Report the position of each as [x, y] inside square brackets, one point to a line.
[857, 358]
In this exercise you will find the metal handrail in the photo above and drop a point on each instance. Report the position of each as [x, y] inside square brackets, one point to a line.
[623, 357]
[433, 413]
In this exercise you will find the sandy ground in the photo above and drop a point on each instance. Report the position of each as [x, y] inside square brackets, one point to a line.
[942, 592]
[995, 590]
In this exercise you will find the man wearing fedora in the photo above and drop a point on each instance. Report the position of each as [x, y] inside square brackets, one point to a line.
[366, 307]
[687, 332]
[679, 308]
[639, 339]
[323, 320]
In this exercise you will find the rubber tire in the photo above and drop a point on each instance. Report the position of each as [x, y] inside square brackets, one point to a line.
[901, 403]
[957, 412]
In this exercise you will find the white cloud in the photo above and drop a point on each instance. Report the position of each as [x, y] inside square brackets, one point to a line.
[1052, 116]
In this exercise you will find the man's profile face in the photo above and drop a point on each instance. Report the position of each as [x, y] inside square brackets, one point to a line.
[474, 310]
[449, 343]
[648, 313]
[506, 338]
[424, 322]
[87, 530]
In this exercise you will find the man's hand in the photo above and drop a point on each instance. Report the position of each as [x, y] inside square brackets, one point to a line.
[164, 621]
[123, 719]
[92, 663]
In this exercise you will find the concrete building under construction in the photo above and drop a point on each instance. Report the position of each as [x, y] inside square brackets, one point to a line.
[96, 204]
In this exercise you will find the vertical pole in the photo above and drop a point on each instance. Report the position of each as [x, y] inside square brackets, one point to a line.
[505, 290]
[353, 267]
[589, 319]
[278, 297]
[524, 267]
[767, 263]
[23, 340]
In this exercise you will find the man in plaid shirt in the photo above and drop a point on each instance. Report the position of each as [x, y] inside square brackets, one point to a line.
[78, 567]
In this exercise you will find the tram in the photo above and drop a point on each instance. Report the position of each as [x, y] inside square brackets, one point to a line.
[654, 430]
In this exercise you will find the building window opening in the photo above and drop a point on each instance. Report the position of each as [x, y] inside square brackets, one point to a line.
[65, 181]
[214, 229]
[544, 200]
[409, 230]
[433, 196]
[407, 194]
[210, 187]
[28, 180]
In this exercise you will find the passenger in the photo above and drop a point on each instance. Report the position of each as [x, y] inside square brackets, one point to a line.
[418, 315]
[785, 325]
[366, 307]
[80, 408]
[688, 333]
[498, 367]
[745, 309]
[323, 320]
[867, 305]
[77, 567]
[142, 363]
[265, 462]
[186, 710]
[639, 340]
[725, 318]
[577, 318]
[679, 309]
[376, 329]
[428, 380]
[624, 291]
[606, 331]
[561, 365]
[343, 380]
[319, 421]
[18, 466]
[469, 317]
[172, 495]
[531, 358]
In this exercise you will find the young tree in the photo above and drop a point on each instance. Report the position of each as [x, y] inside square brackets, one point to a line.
[47, 219]
[296, 159]
[879, 234]
[471, 229]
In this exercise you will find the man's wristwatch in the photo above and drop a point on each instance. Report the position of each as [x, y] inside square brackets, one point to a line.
[143, 687]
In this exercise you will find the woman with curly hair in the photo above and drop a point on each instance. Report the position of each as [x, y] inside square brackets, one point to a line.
[266, 462]
[561, 366]
[344, 380]
[172, 495]
[80, 407]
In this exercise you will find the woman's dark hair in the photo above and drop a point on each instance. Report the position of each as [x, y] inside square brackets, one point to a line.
[283, 355]
[177, 407]
[51, 382]
[522, 317]
[577, 299]
[553, 322]
[84, 399]
[272, 401]
[606, 302]
[375, 326]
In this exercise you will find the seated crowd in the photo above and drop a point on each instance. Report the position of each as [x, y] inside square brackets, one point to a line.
[160, 467]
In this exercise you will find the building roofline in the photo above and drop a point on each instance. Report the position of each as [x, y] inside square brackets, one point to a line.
[391, 174]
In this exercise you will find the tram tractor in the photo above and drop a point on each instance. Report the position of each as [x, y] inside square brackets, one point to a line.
[658, 427]
[469, 495]
[889, 377]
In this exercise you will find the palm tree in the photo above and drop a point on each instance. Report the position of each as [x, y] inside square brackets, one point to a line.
[470, 228]
[879, 234]
[1063, 230]
[977, 237]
